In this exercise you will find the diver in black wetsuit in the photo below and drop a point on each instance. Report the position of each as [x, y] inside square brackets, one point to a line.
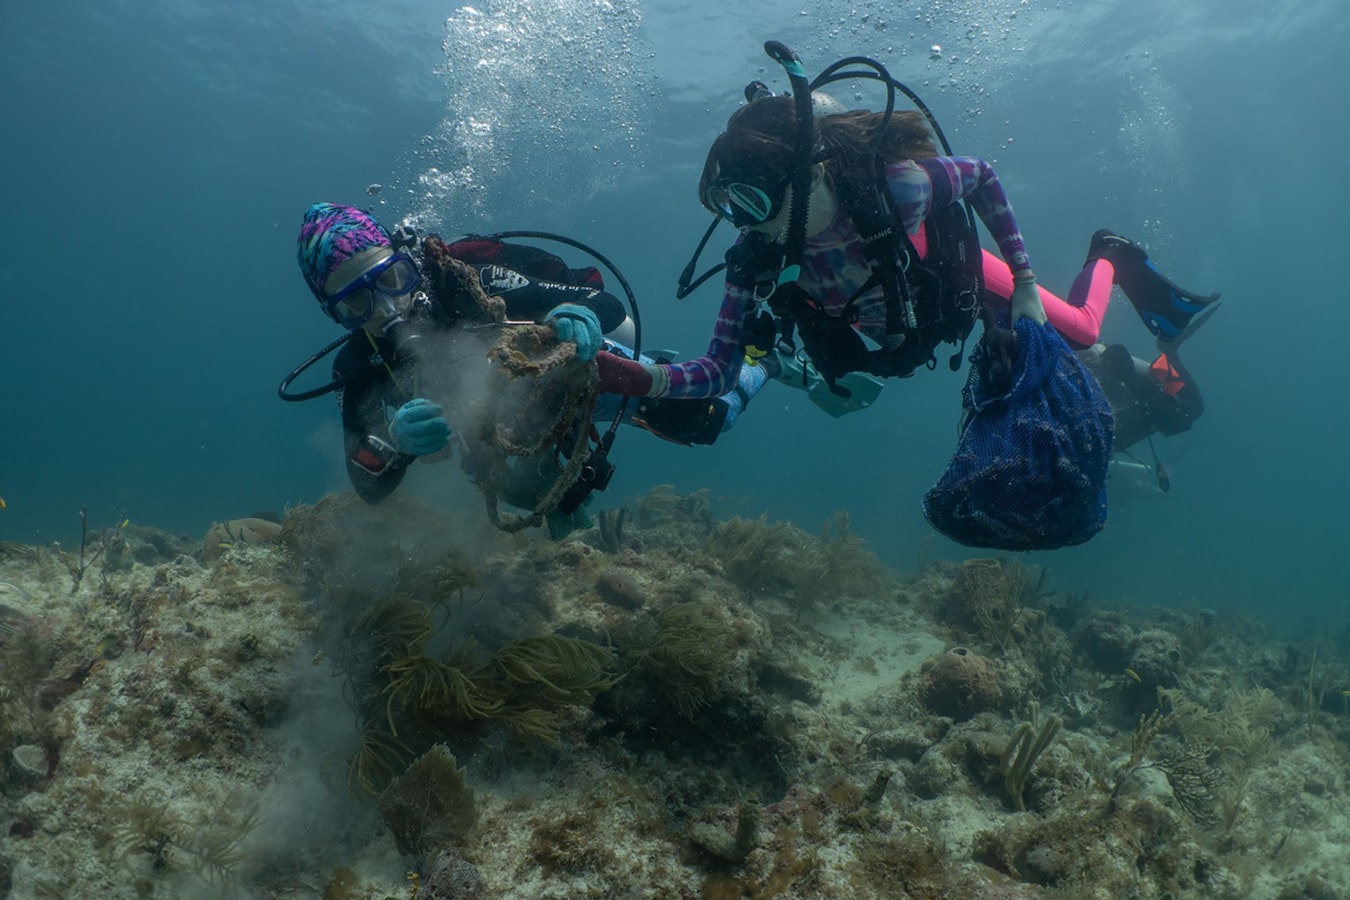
[377, 291]
[370, 283]
[1161, 397]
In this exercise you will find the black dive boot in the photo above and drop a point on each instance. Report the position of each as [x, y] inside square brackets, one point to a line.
[1165, 307]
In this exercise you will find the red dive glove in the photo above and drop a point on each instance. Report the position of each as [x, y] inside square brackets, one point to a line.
[624, 377]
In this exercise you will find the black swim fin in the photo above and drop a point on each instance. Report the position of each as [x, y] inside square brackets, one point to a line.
[1165, 307]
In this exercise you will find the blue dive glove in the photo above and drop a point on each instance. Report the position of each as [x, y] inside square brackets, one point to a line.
[577, 324]
[419, 428]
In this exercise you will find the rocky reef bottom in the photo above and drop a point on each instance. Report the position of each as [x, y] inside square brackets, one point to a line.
[383, 702]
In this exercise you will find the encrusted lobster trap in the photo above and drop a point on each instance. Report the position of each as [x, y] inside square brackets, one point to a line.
[532, 431]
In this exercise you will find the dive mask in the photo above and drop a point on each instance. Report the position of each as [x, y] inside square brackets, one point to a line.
[376, 288]
[746, 203]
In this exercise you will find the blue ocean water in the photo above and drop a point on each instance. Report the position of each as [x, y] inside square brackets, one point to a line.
[158, 157]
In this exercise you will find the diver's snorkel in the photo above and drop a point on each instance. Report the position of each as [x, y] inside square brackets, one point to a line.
[795, 245]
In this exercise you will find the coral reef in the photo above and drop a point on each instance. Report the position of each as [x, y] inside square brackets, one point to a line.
[388, 702]
[223, 535]
[1028, 742]
[429, 806]
[959, 684]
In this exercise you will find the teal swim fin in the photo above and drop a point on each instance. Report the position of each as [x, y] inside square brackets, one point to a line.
[859, 391]
[863, 392]
[1165, 307]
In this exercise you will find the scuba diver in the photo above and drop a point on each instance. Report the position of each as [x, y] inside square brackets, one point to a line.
[1160, 397]
[389, 290]
[857, 236]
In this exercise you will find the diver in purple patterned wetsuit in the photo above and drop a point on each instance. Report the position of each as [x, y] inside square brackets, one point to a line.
[746, 178]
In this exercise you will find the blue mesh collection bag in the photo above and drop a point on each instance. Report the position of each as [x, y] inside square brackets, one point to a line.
[1029, 472]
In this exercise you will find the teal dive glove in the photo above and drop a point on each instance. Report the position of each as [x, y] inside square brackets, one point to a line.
[577, 324]
[419, 428]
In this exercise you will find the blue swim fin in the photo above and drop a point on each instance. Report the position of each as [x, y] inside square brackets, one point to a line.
[1165, 307]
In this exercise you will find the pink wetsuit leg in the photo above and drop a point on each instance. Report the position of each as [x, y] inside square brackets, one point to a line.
[1078, 319]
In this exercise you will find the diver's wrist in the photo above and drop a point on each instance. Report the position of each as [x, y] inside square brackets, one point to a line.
[660, 380]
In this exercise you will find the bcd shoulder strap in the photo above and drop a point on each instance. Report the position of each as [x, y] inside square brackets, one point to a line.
[947, 281]
[861, 186]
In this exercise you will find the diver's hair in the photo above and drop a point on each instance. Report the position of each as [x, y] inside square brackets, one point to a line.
[907, 134]
[760, 141]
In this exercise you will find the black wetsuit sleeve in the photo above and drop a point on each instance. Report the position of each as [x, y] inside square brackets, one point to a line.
[366, 391]
[529, 298]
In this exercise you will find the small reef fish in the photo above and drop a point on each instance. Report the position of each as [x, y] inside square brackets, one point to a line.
[23, 595]
[3, 504]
